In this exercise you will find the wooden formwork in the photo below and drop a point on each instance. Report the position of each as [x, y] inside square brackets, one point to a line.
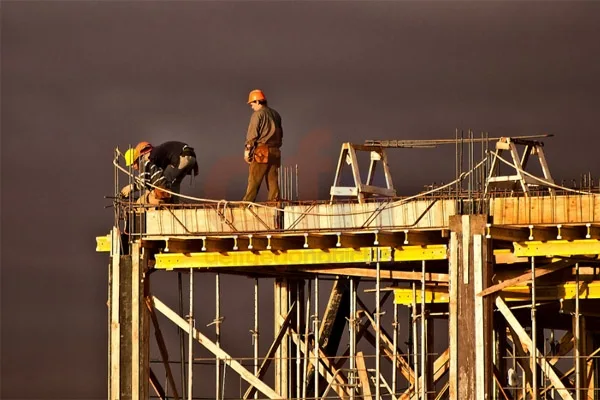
[503, 281]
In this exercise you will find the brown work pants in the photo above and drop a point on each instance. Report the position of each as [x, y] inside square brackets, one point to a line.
[270, 170]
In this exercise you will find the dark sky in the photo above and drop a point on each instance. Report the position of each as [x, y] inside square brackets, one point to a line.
[79, 78]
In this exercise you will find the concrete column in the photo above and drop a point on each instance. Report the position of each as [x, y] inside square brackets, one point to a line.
[470, 316]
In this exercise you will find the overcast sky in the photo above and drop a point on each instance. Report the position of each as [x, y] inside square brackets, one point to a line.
[79, 78]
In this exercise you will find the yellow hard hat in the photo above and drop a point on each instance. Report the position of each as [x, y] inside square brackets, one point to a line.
[131, 156]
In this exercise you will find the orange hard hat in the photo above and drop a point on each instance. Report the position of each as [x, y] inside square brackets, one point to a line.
[256, 95]
[143, 148]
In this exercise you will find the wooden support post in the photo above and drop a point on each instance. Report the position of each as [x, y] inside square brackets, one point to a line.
[500, 354]
[282, 370]
[471, 269]
[334, 320]
[363, 376]
[129, 334]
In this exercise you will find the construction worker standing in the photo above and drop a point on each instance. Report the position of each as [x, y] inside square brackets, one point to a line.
[262, 150]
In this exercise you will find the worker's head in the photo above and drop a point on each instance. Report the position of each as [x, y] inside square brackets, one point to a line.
[133, 155]
[257, 99]
[143, 148]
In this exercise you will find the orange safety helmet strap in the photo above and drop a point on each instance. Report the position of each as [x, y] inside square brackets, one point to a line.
[256, 95]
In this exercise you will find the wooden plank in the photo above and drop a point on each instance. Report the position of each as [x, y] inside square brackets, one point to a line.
[383, 274]
[357, 240]
[216, 350]
[440, 366]
[453, 314]
[525, 277]
[136, 307]
[388, 348]
[360, 332]
[326, 367]
[500, 384]
[507, 233]
[363, 376]
[162, 347]
[334, 320]
[520, 332]
[155, 383]
[377, 190]
[566, 374]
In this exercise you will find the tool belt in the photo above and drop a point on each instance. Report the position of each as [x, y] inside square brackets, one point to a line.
[261, 154]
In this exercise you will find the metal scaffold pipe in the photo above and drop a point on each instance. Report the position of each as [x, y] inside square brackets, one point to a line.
[181, 336]
[533, 351]
[190, 334]
[395, 344]
[316, 335]
[415, 340]
[299, 285]
[378, 325]
[306, 341]
[255, 333]
[577, 338]
[352, 334]
[423, 337]
[217, 335]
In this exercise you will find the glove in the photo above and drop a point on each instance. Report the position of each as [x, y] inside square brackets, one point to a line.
[126, 191]
[247, 156]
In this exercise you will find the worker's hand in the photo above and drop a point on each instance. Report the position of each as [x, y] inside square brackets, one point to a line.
[247, 156]
[126, 191]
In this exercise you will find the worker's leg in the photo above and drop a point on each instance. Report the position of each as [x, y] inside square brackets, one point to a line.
[175, 175]
[273, 174]
[256, 173]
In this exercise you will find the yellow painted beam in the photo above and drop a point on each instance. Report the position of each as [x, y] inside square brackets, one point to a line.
[557, 248]
[298, 257]
[103, 244]
[565, 291]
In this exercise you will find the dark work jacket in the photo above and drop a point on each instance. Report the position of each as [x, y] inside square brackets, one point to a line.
[168, 153]
[152, 174]
[265, 128]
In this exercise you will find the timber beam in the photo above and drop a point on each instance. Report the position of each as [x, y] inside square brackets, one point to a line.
[383, 274]
[561, 292]
[525, 277]
[557, 248]
[363, 255]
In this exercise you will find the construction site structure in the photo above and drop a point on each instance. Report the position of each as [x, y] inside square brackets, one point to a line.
[485, 287]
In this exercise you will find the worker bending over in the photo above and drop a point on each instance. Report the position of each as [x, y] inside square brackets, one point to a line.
[262, 150]
[163, 166]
